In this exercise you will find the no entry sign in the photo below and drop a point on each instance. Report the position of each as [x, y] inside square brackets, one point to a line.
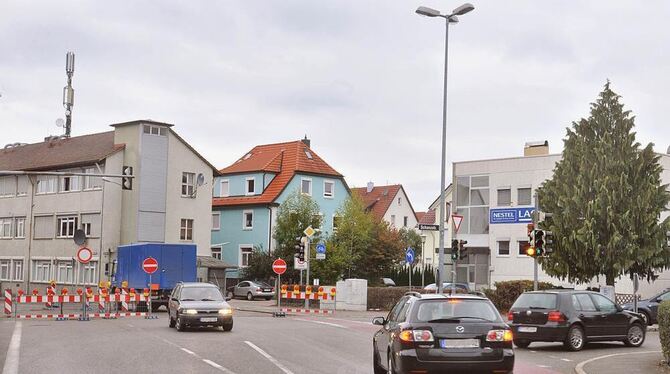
[279, 266]
[84, 255]
[149, 265]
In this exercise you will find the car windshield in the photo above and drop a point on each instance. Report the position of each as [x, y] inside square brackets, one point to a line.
[536, 301]
[455, 310]
[433, 286]
[201, 294]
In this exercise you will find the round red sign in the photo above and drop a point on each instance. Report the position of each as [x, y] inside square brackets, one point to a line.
[279, 266]
[149, 265]
[84, 255]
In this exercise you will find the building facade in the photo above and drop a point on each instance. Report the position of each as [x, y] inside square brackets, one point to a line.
[431, 238]
[248, 194]
[388, 203]
[40, 213]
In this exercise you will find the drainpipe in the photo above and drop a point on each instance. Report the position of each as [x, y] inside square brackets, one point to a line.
[270, 229]
[31, 230]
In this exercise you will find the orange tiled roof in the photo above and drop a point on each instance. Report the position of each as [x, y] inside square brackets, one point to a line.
[379, 199]
[285, 159]
[427, 218]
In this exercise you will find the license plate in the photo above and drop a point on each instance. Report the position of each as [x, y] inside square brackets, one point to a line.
[208, 319]
[527, 329]
[459, 343]
[267, 290]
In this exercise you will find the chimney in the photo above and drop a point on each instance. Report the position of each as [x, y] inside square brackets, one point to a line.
[536, 148]
[307, 142]
[370, 186]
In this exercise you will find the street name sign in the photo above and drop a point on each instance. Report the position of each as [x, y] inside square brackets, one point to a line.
[429, 227]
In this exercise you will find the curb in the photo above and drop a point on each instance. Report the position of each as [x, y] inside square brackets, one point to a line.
[653, 328]
[254, 311]
[579, 369]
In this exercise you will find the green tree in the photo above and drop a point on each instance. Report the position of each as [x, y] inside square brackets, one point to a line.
[354, 235]
[330, 270]
[411, 238]
[260, 265]
[606, 198]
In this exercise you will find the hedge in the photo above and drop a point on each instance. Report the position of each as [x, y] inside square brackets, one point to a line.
[384, 298]
[664, 328]
[506, 293]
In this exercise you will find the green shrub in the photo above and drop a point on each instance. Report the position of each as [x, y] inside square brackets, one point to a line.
[506, 293]
[664, 328]
[384, 298]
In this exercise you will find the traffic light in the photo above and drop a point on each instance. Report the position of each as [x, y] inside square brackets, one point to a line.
[454, 249]
[539, 242]
[300, 250]
[531, 235]
[462, 251]
[548, 242]
[127, 183]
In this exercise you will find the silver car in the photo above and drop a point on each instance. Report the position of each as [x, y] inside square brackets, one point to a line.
[251, 290]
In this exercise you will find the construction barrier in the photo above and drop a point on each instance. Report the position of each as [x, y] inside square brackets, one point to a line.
[307, 311]
[325, 297]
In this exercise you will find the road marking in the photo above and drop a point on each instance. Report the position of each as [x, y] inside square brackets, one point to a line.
[12, 359]
[579, 369]
[270, 358]
[566, 360]
[187, 351]
[215, 365]
[320, 322]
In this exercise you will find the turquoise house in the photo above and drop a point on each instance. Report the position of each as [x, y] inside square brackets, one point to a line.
[249, 192]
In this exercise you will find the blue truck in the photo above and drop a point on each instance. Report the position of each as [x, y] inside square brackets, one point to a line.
[176, 263]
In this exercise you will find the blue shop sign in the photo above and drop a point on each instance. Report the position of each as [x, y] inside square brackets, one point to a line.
[511, 215]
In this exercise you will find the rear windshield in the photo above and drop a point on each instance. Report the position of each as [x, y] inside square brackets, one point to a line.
[201, 294]
[263, 284]
[536, 301]
[456, 308]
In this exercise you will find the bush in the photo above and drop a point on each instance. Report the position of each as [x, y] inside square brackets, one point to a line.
[384, 298]
[664, 328]
[506, 293]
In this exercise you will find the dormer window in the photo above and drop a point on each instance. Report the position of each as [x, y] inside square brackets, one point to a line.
[155, 130]
[308, 154]
[251, 186]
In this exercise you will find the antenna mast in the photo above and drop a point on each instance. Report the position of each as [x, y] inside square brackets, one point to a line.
[68, 92]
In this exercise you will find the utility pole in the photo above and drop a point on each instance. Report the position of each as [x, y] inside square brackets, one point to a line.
[308, 254]
[536, 214]
[68, 92]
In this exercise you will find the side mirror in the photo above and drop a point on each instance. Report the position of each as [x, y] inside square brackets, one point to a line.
[378, 321]
[658, 300]
[619, 308]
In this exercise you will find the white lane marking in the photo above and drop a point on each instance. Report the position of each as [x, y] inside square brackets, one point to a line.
[270, 358]
[579, 369]
[320, 322]
[566, 360]
[215, 365]
[187, 351]
[12, 360]
[544, 366]
[208, 362]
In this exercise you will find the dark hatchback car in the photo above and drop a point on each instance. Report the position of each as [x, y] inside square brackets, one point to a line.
[196, 304]
[648, 308]
[442, 333]
[573, 318]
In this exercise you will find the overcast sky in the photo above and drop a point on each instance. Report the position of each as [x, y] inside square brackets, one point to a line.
[362, 79]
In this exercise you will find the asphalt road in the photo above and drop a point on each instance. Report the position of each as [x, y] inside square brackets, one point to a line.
[258, 343]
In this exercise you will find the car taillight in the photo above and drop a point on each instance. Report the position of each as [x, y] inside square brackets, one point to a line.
[510, 316]
[258, 290]
[556, 316]
[499, 336]
[419, 336]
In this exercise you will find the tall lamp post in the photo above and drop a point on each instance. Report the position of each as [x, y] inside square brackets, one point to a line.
[449, 18]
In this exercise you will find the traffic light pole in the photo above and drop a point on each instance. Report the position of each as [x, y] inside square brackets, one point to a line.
[536, 213]
[308, 254]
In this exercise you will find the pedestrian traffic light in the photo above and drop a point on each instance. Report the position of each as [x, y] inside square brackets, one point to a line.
[539, 242]
[126, 180]
[462, 251]
[454, 249]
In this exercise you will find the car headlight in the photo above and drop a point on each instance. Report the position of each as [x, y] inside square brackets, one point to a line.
[190, 311]
[225, 311]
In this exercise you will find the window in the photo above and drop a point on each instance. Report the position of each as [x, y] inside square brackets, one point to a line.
[70, 183]
[225, 188]
[245, 255]
[251, 186]
[216, 221]
[504, 197]
[41, 270]
[523, 245]
[22, 186]
[86, 227]
[90, 223]
[399, 200]
[44, 227]
[328, 188]
[20, 227]
[216, 252]
[91, 182]
[604, 304]
[524, 196]
[65, 272]
[66, 226]
[18, 270]
[186, 229]
[472, 198]
[4, 270]
[336, 222]
[248, 219]
[404, 221]
[155, 130]
[46, 184]
[503, 248]
[187, 184]
[5, 228]
[306, 186]
[585, 302]
[308, 154]
[392, 219]
[538, 300]
[7, 186]
[87, 273]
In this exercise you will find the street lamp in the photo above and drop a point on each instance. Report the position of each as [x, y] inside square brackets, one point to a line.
[450, 18]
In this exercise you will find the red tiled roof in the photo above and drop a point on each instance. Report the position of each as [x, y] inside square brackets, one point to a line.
[419, 215]
[427, 218]
[379, 199]
[60, 153]
[285, 159]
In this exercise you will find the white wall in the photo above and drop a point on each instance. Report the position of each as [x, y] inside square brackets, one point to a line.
[404, 209]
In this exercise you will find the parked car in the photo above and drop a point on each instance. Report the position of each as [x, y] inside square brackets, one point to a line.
[574, 318]
[388, 282]
[460, 287]
[251, 290]
[442, 333]
[194, 304]
[648, 308]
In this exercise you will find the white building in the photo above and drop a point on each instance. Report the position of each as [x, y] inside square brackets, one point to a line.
[40, 213]
[388, 203]
[431, 238]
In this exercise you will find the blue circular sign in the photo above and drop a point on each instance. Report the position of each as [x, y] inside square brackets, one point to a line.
[409, 255]
[320, 248]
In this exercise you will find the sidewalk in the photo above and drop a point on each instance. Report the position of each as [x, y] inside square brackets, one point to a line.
[643, 362]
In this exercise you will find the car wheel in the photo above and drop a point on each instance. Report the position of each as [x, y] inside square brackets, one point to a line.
[635, 335]
[377, 368]
[522, 343]
[179, 325]
[645, 317]
[575, 340]
[250, 297]
[228, 326]
[172, 323]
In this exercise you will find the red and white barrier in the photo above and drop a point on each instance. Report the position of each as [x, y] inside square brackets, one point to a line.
[124, 302]
[8, 302]
[101, 301]
[303, 296]
[307, 311]
[76, 316]
[50, 292]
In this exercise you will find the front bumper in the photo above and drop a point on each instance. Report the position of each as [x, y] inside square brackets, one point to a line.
[544, 333]
[196, 319]
[407, 362]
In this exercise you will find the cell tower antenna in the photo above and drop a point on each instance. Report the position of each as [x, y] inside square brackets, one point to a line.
[68, 92]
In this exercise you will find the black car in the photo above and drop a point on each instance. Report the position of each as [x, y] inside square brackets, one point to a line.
[573, 318]
[194, 304]
[432, 333]
[648, 308]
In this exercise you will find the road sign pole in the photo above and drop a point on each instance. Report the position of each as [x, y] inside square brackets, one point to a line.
[308, 255]
[535, 216]
[410, 277]
[278, 293]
